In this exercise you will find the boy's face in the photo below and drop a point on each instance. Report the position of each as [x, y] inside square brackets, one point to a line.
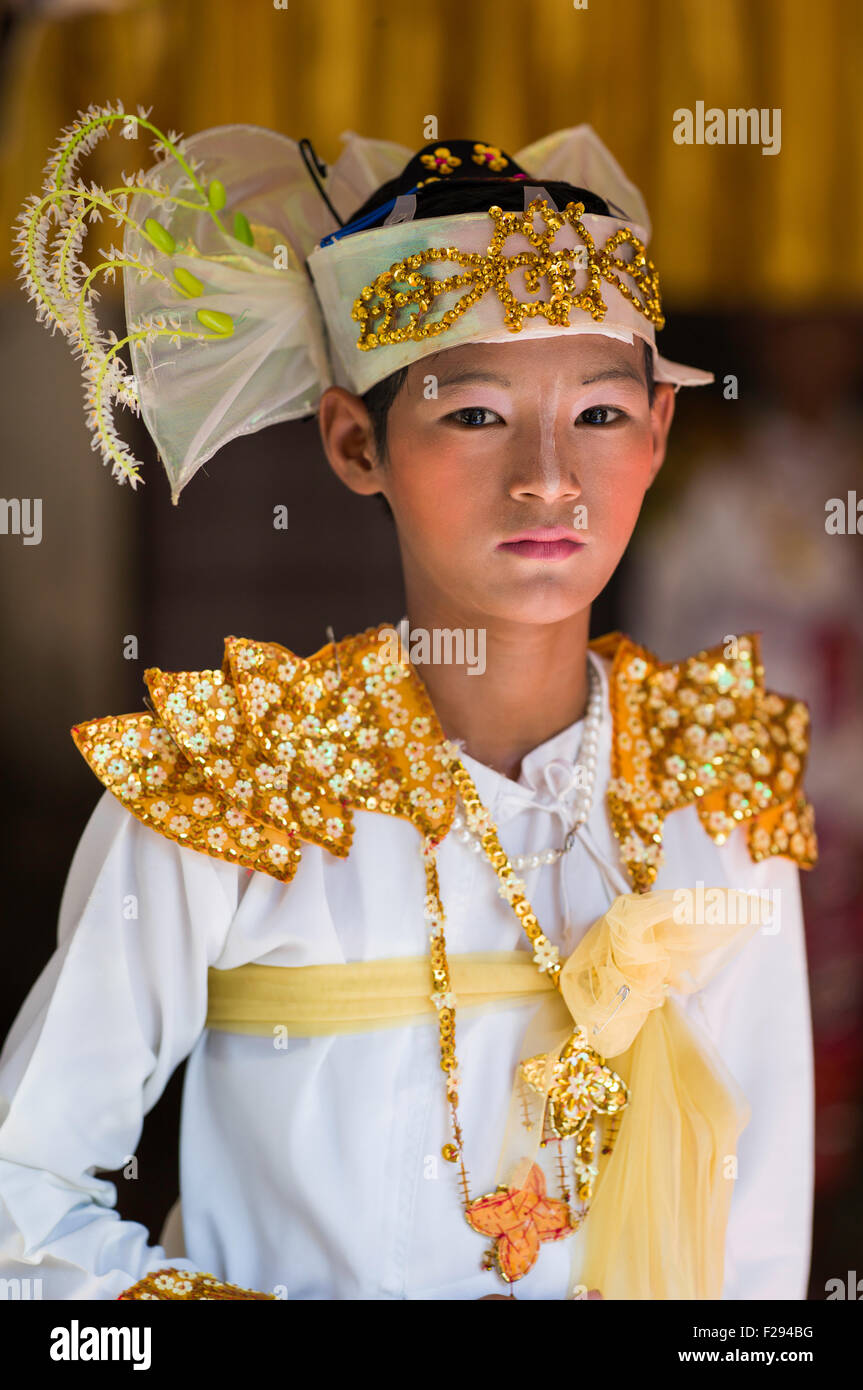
[546, 435]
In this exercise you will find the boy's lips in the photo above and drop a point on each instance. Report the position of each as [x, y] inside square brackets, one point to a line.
[544, 543]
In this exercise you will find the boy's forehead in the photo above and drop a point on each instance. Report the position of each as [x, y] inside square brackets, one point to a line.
[512, 360]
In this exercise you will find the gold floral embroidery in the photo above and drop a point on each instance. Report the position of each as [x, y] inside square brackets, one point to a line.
[173, 1284]
[248, 762]
[490, 156]
[442, 160]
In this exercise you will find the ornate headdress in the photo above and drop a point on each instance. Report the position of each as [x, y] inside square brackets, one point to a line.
[246, 294]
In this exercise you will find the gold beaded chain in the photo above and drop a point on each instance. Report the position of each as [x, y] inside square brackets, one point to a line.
[547, 960]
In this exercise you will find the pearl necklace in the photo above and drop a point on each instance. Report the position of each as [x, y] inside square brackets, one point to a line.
[586, 758]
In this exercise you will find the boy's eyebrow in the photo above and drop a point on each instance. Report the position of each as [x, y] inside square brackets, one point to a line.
[612, 373]
[472, 374]
[456, 378]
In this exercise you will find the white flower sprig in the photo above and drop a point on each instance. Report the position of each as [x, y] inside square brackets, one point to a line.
[49, 235]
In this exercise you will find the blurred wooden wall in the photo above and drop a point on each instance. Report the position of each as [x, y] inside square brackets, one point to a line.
[731, 226]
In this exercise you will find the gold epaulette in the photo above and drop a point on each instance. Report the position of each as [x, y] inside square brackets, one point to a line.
[248, 762]
[705, 732]
[173, 1284]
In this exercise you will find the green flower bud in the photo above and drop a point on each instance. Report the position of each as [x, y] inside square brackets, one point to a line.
[216, 195]
[162, 238]
[187, 281]
[242, 230]
[218, 322]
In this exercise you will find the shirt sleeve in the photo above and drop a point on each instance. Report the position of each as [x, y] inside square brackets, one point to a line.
[757, 1012]
[119, 1005]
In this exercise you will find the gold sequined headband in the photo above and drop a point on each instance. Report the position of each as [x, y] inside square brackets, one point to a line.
[395, 306]
[415, 286]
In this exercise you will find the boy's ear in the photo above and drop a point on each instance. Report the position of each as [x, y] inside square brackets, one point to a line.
[661, 415]
[348, 438]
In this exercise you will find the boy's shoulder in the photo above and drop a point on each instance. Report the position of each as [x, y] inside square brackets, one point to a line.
[271, 750]
[705, 731]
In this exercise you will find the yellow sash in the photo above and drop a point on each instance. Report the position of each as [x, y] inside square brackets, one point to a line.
[310, 1000]
[656, 1226]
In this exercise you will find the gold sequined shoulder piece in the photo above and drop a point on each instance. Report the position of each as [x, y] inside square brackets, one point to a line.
[173, 1284]
[246, 762]
[261, 783]
[350, 724]
[136, 757]
[706, 732]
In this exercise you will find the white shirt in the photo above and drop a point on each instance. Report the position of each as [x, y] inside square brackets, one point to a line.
[315, 1172]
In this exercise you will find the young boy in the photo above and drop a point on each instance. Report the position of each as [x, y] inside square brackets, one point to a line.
[335, 863]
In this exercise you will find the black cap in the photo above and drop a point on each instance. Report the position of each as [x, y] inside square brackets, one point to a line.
[451, 176]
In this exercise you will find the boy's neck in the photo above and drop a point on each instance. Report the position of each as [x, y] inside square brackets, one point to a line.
[534, 685]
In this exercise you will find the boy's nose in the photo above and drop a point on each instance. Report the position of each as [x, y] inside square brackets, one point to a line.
[546, 474]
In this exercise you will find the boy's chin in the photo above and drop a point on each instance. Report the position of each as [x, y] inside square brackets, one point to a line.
[538, 608]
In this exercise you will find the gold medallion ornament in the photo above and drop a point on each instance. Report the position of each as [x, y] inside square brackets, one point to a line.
[581, 1086]
[394, 307]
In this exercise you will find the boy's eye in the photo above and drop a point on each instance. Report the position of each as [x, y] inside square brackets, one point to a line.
[475, 416]
[472, 410]
[600, 415]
